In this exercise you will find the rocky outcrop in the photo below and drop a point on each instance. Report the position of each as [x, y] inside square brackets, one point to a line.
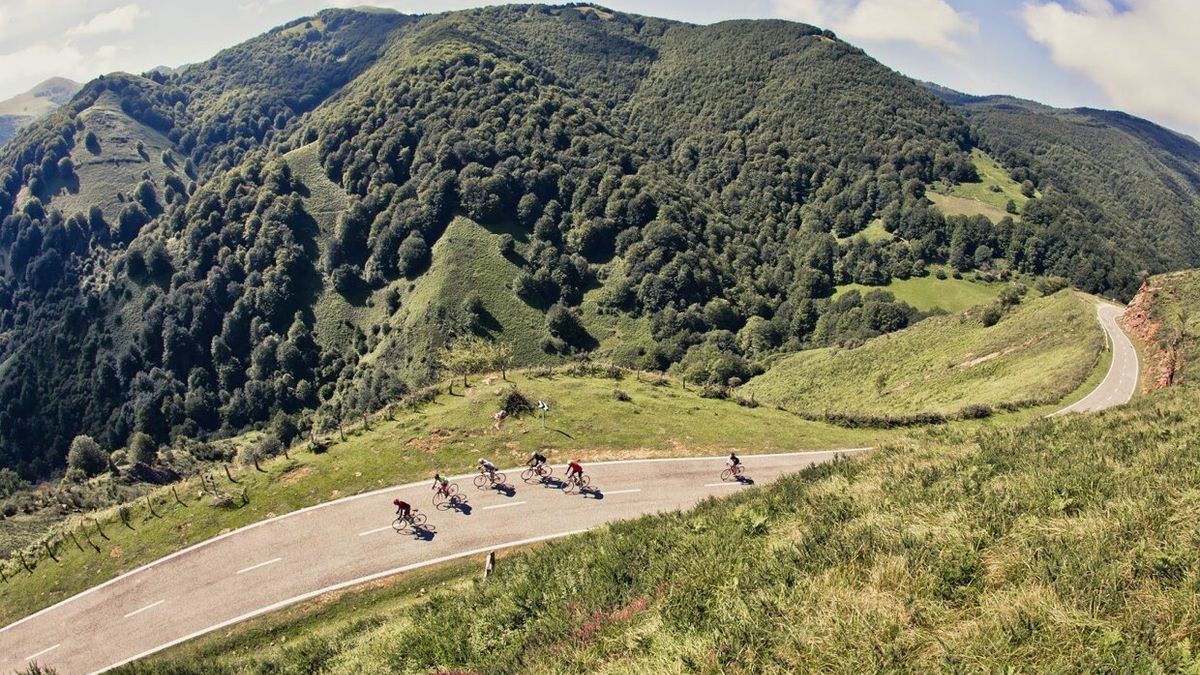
[1162, 351]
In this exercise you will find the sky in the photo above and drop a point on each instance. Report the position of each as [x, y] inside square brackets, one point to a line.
[1131, 55]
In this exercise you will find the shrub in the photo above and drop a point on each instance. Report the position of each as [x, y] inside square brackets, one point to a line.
[516, 403]
[143, 449]
[1050, 285]
[620, 395]
[87, 456]
[991, 315]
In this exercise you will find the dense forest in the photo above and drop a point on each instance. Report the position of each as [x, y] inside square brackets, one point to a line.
[709, 180]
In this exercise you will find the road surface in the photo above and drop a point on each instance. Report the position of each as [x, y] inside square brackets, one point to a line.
[1121, 382]
[274, 563]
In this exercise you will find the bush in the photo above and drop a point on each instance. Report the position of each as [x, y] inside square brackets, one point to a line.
[143, 449]
[516, 403]
[621, 396]
[1050, 285]
[87, 456]
[991, 315]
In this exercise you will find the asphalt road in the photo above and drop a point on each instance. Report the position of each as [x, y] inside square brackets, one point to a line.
[1121, 382]
[294, 557]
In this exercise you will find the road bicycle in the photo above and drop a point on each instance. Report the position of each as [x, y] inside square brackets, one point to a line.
[580, 482]
[445, 499]
[536, 474]
[486, 479]
[732, 473]
[415, 520]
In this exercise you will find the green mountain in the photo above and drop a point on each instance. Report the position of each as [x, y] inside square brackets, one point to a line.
[38, 102]
[264, 234]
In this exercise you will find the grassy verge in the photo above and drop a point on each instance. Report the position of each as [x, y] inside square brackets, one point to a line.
[1044, 350]
[586, 420]
[1057, 546]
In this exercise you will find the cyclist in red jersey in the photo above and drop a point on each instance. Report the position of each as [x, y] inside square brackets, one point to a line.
[403, 508]
[574, 470]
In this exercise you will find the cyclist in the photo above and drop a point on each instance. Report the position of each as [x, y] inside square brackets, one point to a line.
[441, 485]
[536, 459]
[403, 509]
[574, 470]
[487, 467]
[734, 461]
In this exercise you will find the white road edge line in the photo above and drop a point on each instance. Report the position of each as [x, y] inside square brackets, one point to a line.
[336, 587]
[733, 484]
[45, 651]
[378, 529]
[380, 491]
[149, 606]
[261, 564]
[620, 492]
[500, 506]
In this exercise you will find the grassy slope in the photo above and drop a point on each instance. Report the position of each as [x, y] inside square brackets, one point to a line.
[1043, 350]
[1059, 546]
[988, 197]
[117, 168]
[447, 434]
[928, 293]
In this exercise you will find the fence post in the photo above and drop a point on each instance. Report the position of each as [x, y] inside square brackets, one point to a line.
[49, 550]
[24, 562]
[490, 565]
[177, 499]
[229, 475]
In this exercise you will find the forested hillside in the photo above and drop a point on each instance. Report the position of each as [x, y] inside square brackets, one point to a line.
[185, 255]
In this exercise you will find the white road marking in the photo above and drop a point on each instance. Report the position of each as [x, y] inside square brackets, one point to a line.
[336, 587]
[149, 606]
[621, 492]
[261, 564]
[733, 484]
[501, 506]
[45, 651]
[378, 529]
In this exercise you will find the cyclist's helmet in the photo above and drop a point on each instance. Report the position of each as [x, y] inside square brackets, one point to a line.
[397, 502]
[481, 461]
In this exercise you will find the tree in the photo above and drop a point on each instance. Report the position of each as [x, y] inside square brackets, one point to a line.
[142, 449]
[466, 355]
[413, 254]
[87, 456]
[1011, 207]
[983, 256]
[502, 358]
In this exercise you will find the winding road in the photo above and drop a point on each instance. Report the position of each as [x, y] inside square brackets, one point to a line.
[1120, 384]
[297, 556]
[291, 558]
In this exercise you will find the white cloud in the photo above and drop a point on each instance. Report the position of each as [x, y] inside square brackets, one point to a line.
[21, 69]
[932, 24]
[119, 20]
[1143, 56]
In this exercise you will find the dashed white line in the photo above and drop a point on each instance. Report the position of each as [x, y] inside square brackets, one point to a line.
[149, 606]
[733, 484]
[378, 529]
[261, 564]
[501, 506]
[45, 651]
[621, 492]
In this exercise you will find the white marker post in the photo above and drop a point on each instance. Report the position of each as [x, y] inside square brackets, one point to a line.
[489, 565]
[545, 409]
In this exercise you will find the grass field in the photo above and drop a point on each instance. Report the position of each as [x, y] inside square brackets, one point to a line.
[872, 232]
[950, 205]
[1043, 350]
[988, 197]
[1058, 546]
[448, 434]
[929, 293]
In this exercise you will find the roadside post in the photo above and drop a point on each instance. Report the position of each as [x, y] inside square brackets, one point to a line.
[545, 409]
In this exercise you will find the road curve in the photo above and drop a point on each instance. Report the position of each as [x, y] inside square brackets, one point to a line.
[274, 563]
[1121, 382]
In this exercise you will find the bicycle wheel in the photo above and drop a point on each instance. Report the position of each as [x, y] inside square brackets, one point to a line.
[498, 478]
[584, 481]
[726, 474]
[545, 472]
[568, 486]
[439, 499]
[481, 481]
[399, 524]
[452, 490]
[529, 475]
[418, 519]
[740, 470]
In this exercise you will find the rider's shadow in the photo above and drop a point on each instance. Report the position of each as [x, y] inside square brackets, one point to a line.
[505, 489]
[425, 533]
[555, 483]
[462, 506]
[594, 492]
[745, 480]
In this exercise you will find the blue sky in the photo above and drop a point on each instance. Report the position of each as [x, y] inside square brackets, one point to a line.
[1132, 55]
